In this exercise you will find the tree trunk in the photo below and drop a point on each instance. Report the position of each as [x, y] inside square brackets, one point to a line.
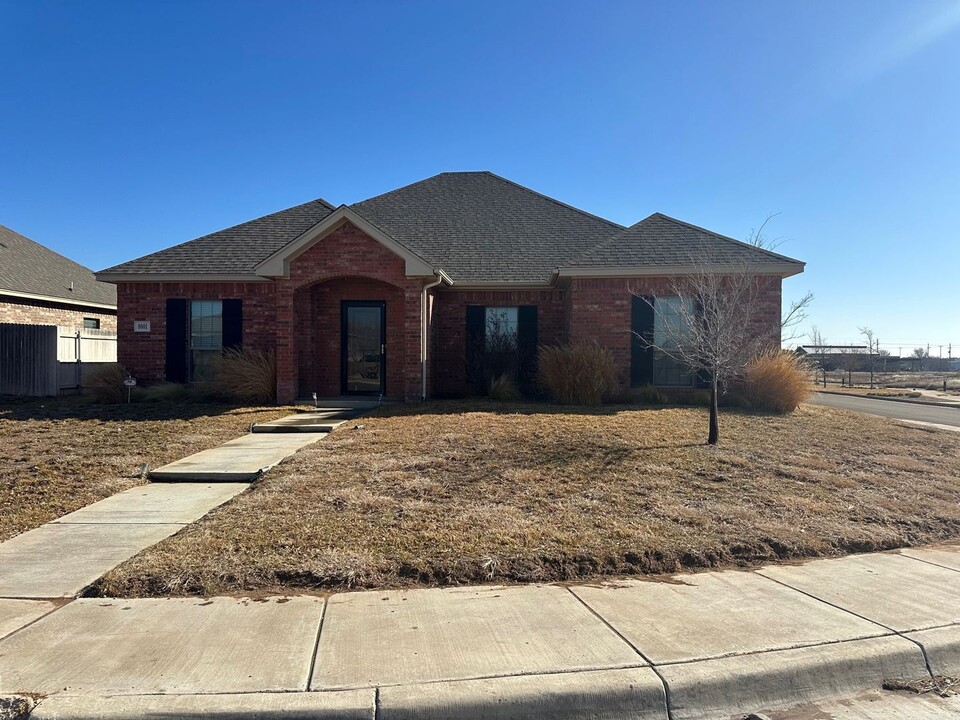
[714, 414]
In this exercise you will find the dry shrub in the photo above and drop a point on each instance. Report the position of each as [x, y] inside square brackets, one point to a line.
[162, 392]
[777, 381]
[106, 384]
[504, 389]
[247, 376]
[583, 373]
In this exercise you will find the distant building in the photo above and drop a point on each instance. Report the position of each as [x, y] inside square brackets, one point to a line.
[41, 287]
[839, 357]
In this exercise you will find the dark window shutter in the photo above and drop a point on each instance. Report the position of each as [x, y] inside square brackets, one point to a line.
[641, 356]
[176, 366]
[232, 324]
[476, 326]
[526, 345]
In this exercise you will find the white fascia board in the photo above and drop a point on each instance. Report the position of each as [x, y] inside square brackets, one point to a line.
[278, 264]
[500, 286]
[782, 269]
[54, 299]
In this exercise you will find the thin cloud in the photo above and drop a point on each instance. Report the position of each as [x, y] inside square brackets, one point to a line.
[900, 44]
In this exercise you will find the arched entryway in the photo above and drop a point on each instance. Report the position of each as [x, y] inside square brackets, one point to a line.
[350, 338]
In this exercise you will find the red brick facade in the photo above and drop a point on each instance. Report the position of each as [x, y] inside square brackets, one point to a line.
[39, 312]
[448, 339]
[299, 317]
[600, 309]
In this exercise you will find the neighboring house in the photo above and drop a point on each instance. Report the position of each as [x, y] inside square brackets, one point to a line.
[40, 287]
[397, 295]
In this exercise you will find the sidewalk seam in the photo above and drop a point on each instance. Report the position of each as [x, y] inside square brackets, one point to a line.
[494, 676]
[35, 620]
[928, 562]
[923, 650]
[316, 645]
[656, 671]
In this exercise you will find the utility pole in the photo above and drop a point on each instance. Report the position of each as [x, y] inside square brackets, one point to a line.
[941, 358]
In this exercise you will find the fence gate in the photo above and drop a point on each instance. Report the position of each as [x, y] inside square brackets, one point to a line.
[42, 360]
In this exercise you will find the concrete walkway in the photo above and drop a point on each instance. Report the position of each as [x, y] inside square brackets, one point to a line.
[246, 458]
[708, 645]
[63, 557]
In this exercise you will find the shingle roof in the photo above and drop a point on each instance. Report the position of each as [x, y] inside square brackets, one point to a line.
[660, 240]
[28, 267]
[475, 226]
[479, 227]
[233, 251]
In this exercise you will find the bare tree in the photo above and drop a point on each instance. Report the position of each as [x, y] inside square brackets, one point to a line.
[819, 344]
[718, 321]
[921, 355]
[868, 336]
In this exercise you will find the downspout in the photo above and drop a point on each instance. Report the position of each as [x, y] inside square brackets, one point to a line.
[424, 340]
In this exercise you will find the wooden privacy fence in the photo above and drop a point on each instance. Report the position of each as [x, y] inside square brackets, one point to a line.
[41, 360]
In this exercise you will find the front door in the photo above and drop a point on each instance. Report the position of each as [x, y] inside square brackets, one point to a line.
[362, 345]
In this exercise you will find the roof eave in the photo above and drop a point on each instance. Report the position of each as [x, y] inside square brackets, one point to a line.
[784, 270]
[56, 299]
[127, 277]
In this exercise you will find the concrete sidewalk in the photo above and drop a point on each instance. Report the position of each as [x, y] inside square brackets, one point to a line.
[711, 645]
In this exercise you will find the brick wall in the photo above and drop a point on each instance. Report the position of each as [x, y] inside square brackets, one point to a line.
[449, 338]
[600, 308]
[345, 265]
[144, 354]
[38, 312]
[317, 317]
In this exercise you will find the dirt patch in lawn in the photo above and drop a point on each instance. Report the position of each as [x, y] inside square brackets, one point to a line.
[58, 455]
[462, 494]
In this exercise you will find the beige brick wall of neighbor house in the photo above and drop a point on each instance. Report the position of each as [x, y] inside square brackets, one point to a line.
[12, 311]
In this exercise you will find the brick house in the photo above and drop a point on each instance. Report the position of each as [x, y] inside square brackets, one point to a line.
[399, 294]
[41, 287]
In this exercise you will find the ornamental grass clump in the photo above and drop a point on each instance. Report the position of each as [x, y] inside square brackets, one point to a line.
[777, 381]
[247, 376]
[583, 373]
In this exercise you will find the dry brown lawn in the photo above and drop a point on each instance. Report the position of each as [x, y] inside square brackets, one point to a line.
[58, 455]
[487, 493]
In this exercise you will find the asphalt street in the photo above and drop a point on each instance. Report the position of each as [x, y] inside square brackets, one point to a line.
[888, 408]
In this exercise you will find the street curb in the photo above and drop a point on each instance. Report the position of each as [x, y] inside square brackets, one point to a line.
[887, 398]
[630, 694]
[785, 678]
[343, 705]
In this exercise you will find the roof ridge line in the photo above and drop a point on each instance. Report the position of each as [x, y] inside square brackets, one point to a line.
[551, 199]
[402, 187]
[606, 241]
[723, 237]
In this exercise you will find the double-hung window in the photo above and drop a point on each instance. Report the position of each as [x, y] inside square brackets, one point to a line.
[669, 329]
[206, 338]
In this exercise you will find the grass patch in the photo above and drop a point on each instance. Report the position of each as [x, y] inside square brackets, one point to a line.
[454, 493]
[58, 455]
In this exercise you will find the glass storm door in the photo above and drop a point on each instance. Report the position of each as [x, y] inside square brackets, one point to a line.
[363, 341]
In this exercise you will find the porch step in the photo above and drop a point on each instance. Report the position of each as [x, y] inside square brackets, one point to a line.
[322, 420]
[326, 404]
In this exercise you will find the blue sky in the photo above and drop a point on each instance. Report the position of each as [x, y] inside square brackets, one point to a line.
[127, 127]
